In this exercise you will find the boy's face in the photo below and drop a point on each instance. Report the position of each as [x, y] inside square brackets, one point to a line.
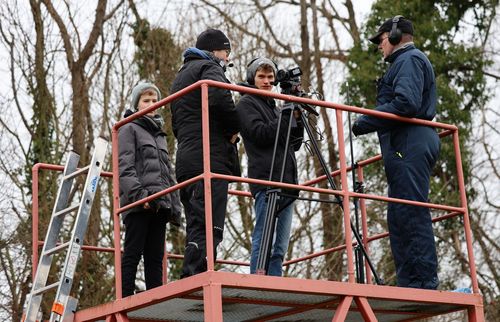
[147, 99]
[264, 79]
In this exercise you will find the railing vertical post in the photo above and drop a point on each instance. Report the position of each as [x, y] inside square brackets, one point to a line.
[463, 204]
[35, 218]
[116, 215]
[345, 195]
[364, 227]
[207, 177]
[165, 264]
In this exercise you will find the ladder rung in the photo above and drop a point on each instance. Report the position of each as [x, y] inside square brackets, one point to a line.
[76, 173]
[46, 288]
[56, 249]
[66, 210]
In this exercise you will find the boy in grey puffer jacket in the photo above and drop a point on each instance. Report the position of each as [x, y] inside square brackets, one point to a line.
[144, 170]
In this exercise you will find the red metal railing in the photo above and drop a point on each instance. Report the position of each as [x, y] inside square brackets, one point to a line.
[207, 176]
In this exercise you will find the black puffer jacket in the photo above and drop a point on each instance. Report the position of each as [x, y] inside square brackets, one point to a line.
[145, 167]
[186, 118]
[259, 122]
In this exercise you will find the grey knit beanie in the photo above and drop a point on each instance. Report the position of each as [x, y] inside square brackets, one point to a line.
[255, 64]
[139, 89]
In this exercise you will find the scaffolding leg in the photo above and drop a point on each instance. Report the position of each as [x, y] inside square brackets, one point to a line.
[121, 317]
[342, 309]
[476, 313]
[365, 309]
[212, 302]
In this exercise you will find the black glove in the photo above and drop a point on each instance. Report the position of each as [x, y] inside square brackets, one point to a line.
[153, 204]
[356, 129]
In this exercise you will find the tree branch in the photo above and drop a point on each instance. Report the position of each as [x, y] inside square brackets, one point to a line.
[63, 31]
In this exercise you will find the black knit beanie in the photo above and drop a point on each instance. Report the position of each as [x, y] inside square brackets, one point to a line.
[212, 39]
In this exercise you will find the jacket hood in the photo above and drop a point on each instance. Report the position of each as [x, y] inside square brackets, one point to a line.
[195, 53]
[128, 113]
[192, 51]
[152, 124]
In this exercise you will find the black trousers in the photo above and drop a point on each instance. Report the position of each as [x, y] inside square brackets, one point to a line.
[193, 199]
[144, 236]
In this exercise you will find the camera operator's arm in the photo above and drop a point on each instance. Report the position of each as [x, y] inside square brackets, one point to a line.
[254, 123]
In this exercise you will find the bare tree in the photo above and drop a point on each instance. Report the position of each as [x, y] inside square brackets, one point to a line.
[44, 132]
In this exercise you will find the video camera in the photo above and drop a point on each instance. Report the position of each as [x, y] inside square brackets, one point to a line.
[290, 84]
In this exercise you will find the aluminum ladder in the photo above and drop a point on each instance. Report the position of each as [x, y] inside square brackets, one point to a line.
[65, 305]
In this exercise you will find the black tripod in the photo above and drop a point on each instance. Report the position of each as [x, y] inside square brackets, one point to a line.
[275, 197]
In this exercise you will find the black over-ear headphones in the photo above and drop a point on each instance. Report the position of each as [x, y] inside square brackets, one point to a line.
[395, 34]
[250, 75]
[252, 71]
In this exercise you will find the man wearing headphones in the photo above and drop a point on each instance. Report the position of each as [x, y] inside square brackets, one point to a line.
[409, 151]
[259, 124]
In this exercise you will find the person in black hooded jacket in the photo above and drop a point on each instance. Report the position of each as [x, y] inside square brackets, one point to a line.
[145, 169]
[206, 61]
[259, 127]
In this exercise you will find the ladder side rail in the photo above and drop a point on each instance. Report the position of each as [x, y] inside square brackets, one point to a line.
[43, 267]
[79, 230]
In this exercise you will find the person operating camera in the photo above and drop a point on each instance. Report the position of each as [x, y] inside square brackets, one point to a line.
[259, 123]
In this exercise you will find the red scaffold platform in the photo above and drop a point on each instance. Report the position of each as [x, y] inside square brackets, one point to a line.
[225, 296]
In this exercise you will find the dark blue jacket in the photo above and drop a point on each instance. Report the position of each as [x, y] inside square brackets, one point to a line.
[407, 89]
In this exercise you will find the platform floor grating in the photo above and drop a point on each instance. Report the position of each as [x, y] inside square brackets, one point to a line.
[249, 305]
[262, 298]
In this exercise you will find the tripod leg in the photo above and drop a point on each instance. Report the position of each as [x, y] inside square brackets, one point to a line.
[358, 252]
[329, 177]
[273, 195]
[267, 233]
[360, 278]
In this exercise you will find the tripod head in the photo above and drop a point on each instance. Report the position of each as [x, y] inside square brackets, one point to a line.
[290, 84]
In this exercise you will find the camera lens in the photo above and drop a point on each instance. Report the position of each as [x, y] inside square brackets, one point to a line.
[281, 75]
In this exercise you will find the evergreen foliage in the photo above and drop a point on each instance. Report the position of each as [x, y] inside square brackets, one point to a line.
[456, 52]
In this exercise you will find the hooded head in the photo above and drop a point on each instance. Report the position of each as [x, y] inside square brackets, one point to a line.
[213, 39]
[257, 63]
[396, 27]
[139, 89]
